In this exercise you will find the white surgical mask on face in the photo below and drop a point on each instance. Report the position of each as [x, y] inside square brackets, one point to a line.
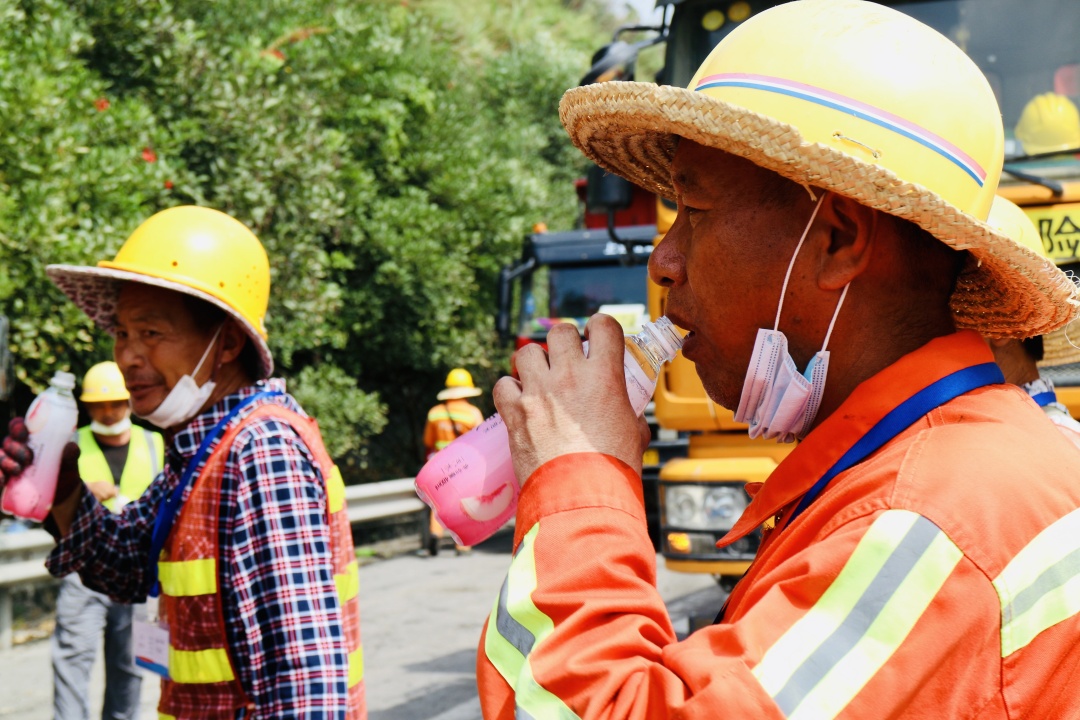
[777, 400]
[117, 428]
[186, 398]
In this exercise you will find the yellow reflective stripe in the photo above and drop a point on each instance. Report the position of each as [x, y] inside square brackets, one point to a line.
[335, 491]
[199, 666]
[356, 666]
[163, 716]
[824, 659]
[348, 583]
[515, 628]
[1040, 587]
[186, 578]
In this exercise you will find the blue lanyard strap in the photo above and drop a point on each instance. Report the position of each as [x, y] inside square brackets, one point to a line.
[170, 504]
[902, 417]
[1045, 398]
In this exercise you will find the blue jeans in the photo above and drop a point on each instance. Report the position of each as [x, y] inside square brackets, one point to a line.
[82, 616]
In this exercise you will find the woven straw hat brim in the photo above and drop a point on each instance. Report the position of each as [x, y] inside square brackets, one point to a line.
[458, 393]
[96, 292]
[1057, 350]
[630, 129]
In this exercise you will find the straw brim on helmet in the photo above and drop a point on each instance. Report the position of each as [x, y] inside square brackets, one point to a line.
[458, 393]
[96, 291]
[1057, 348]
[632, 129]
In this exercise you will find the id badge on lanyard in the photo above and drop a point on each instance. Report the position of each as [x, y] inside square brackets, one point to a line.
[150, 638]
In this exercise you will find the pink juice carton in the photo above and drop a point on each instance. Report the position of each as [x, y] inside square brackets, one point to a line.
[470, 484]
[51, 420]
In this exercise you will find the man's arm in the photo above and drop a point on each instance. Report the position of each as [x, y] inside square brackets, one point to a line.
[279, 580]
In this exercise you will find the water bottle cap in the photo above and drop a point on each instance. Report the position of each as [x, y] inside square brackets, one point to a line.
[665, 334]
[63, 380]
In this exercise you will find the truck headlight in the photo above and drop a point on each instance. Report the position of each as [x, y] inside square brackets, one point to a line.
[703, 507]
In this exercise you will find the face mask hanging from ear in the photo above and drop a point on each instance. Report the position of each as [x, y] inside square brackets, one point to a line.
[777, 400]
[186, 398]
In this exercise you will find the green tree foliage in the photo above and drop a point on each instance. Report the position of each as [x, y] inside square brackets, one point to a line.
[390, 156]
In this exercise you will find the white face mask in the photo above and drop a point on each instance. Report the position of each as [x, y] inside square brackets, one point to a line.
[185, 399]
[777, 400]
[117, 428]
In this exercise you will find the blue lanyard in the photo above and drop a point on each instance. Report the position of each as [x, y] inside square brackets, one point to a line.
[170, 504]
[901, 417]
[1045, 398]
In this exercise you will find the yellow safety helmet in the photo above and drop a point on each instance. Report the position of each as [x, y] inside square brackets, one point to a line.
[104, 382]
[1009, 219]
[459, 384]
[1049, 123]
[193, 250]
[857, 99]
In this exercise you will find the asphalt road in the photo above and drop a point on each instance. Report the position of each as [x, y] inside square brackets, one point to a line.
[421, 620]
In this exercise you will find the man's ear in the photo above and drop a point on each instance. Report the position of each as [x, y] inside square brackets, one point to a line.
[233, 339]
[847, 248]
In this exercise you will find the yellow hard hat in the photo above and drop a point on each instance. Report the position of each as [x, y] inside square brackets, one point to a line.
[193, 250]
[459, 384]
[1010, 220]
[104, 382]
[858, 99]
[1048, 123]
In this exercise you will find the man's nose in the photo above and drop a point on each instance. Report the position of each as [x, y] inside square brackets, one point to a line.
[667, 264]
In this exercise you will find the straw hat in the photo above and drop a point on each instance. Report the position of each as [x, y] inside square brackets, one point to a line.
[192, 250]
[860, 100]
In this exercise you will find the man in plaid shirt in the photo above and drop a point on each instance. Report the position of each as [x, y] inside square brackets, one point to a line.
[187, 318]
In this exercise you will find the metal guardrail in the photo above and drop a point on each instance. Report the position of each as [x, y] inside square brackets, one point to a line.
[22, 555]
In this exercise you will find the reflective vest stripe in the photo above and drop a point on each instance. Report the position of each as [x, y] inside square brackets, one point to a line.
[822, 662]
[348, 583]
[335, 491]
[437, 415]
[188, 578]
[356, 666]
[516, 626]
[163, 716]
[1040, 587]
[199, 666]
[141, 467]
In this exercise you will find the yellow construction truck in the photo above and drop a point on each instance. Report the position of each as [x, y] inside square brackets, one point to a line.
[1029, 55]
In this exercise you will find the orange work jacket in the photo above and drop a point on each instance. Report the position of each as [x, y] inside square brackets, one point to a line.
[938, 578]
[449, 420]
[203, 680]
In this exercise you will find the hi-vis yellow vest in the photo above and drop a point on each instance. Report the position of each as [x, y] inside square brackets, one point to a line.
[203, 683]
[146, 450]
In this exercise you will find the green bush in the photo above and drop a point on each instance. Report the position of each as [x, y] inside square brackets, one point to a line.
[390, 156]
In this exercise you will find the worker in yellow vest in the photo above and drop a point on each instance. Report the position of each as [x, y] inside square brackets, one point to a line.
[117, 462]
[451, 418]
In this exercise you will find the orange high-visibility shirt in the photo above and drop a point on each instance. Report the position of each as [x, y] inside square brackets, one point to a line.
[938, 578]
[449, 420]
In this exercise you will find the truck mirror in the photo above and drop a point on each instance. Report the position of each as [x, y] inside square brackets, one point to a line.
[606, 193]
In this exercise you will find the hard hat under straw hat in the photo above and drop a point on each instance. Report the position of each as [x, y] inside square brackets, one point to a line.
[459, 384]
[192, 250]
[858, 99]
[104, 382]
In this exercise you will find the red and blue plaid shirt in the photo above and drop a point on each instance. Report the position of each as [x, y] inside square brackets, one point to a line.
[278, 594]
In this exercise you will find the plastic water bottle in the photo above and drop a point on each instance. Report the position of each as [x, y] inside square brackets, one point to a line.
[51, 420]
[470, 483]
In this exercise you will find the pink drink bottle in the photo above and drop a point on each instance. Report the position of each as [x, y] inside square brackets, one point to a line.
[470, 483]
[51, 420]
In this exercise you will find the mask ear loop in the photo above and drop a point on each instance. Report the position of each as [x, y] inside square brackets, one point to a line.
[791, 264]
[207, 352]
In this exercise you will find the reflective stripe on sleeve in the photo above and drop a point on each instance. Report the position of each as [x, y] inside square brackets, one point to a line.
[515, 627]
[163, 716]
[1040, 587]
[199, 666]
[335, 491]
[356, 666]
[822, 662]
[186, 578]
[348, 583]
